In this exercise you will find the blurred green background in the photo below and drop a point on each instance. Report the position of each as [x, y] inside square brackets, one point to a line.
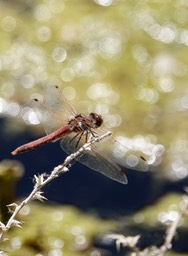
[124, 59]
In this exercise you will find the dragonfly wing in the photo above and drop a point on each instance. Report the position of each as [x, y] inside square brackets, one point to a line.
[121, 154]
[105, 156]
[131, 159]
[53, 109]
[95, 160]
[102, 164]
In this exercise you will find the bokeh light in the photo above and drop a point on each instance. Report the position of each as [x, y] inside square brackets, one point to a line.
[126, 62]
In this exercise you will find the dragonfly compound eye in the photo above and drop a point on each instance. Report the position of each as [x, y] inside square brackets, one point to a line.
[97, 119]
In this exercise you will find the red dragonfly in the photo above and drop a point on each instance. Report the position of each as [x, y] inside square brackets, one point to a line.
[61, 120]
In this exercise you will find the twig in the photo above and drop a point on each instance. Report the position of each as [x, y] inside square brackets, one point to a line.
[131, 242]
[171, 230]
[40, 182]
[123, 241]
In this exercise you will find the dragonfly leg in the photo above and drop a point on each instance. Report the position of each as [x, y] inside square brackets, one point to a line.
[80, 134]
[79, 138]
[93, 133]
[77, 134]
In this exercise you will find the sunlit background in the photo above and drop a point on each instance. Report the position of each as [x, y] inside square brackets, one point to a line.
[126, 60]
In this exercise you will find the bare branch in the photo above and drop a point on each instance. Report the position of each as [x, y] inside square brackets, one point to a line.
[131, 242]
[124, 241]
[40, 182]
[171, 230]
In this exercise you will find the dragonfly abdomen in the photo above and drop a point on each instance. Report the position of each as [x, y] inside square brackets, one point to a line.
[61, 132]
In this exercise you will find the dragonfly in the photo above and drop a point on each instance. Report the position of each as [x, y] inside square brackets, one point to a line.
[61, 120]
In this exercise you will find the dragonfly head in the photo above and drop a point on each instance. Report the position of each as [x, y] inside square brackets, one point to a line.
[96, 119]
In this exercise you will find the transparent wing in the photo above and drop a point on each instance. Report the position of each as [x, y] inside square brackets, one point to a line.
[121, 154]
[105, 156]
[53, 109]
[95, 160]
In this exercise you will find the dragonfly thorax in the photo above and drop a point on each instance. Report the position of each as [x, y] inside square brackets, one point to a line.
[83, 123]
